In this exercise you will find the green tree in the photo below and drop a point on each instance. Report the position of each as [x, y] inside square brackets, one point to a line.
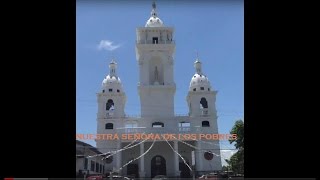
[238, 129]
[225, 168]
[236, 161]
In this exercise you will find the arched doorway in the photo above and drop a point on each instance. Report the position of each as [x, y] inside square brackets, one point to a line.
[184, 170]
[158, 166]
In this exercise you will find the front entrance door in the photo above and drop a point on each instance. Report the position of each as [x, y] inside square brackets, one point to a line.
[158, 166]
[133, 169]
[184, 170]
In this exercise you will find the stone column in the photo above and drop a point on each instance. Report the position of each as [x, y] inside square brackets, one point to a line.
[176, 159]
[142, 172]
[199, 156]
[119, 156]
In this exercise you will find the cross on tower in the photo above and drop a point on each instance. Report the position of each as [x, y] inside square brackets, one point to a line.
[154, 5]
[197, 54]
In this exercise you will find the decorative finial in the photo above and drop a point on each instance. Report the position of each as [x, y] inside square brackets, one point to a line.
[197, 64]
[112, 67]
[153, 12]
[197, 55]
[112, 56]
[154, 5]
[113, 61]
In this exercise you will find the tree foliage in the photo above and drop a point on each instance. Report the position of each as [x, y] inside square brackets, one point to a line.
[238, 128]
[236, 161]
[225, 168]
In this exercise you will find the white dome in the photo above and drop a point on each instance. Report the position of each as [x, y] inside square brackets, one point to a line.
[154, 21]
[111, 82]
[198, 81]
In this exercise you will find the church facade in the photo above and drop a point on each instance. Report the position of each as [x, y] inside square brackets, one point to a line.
[155, 48]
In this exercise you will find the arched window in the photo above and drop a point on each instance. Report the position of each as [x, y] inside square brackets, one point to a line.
[205, 124]
[204, 107]
[203, 103]
[109, 126]
[157, 124]
[109, 105]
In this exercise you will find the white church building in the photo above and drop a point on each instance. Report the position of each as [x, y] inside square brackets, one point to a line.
[155, 50]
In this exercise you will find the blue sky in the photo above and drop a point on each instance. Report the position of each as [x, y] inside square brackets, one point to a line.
[215, 29]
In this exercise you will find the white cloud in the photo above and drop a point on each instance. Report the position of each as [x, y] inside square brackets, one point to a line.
[107, 45]
[226, 154]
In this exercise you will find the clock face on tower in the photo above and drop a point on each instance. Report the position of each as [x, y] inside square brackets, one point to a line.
[208, 155]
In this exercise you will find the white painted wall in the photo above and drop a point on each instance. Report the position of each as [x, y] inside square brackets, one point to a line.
[156, 99]
[157, 105]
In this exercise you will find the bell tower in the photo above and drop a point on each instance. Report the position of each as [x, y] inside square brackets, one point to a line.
[201, 100]
[112, 98]
[201, 97]
[154, 53]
